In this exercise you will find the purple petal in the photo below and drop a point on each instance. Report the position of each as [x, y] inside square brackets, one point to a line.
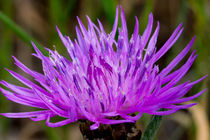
[26, 114]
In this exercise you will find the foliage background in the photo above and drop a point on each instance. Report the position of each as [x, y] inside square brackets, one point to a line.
[38, 18]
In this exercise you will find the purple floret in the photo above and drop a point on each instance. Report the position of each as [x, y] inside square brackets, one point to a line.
[98, 83]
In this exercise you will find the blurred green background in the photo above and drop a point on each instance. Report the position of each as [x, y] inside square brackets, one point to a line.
[37, 20]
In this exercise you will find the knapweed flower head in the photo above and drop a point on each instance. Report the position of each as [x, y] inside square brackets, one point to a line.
[99, 82]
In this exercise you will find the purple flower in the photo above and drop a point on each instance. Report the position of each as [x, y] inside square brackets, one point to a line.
[99, 82]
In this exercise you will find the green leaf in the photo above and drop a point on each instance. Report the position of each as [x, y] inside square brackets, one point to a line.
[109, 8]
[19, 32]
[152, 128]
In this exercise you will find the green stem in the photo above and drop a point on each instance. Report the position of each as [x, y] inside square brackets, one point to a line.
[152, 128]
[22, 34]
